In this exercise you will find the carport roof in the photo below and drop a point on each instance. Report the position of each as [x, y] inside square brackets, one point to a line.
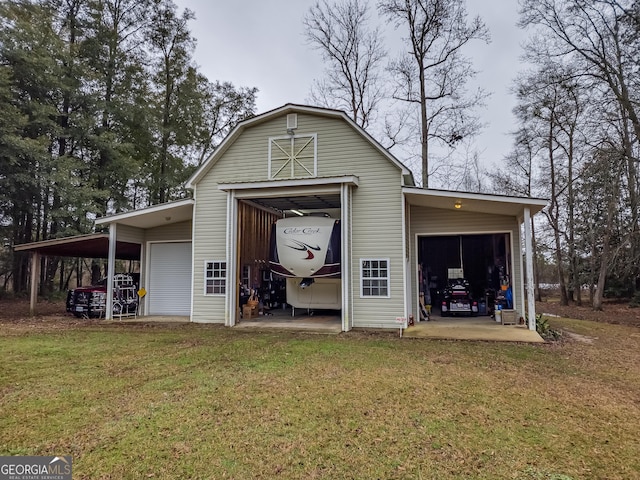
[473, 202]
[94, 245]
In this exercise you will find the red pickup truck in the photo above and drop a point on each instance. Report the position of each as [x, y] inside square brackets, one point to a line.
[91, 301]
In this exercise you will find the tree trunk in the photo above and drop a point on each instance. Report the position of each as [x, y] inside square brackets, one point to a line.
[554, 216]
[606, 247]
[632, 182]
[424, 130]
[536, 277]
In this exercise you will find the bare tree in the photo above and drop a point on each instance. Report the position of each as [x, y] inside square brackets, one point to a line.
[601, 38]
[354, 55]
[515, 176]
[608, 167]
[433, 76]
[549, 109]
[601, 34]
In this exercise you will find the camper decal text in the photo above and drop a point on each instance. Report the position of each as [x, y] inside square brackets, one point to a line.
[301, 231]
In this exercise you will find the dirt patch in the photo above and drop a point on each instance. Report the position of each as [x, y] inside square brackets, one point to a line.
[579, 338]
[51, 316]
[616, 312]
[12, 309]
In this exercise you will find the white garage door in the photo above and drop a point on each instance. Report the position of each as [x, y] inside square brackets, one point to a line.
[169, 291]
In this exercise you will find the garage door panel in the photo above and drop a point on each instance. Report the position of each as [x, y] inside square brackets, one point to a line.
[170, 279]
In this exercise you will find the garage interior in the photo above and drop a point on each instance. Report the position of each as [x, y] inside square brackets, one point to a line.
[484, 260]
[256, 219]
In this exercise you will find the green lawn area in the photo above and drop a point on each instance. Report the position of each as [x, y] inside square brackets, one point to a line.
[194, 401]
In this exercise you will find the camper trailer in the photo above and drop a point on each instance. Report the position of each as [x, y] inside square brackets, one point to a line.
[306, 251]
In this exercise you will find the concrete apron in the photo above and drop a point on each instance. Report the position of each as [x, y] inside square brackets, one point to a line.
[452, 328]
[316, 324]
[472, 328]
[151, 319]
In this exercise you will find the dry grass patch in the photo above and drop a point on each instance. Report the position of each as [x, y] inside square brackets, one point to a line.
[209, 402]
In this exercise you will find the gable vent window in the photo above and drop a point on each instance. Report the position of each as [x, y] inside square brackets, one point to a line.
[292, 121]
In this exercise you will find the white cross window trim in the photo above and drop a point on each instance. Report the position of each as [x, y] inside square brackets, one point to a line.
[295, 153]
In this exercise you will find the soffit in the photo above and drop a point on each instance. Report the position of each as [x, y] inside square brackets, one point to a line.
[473, 202]
[154, 216]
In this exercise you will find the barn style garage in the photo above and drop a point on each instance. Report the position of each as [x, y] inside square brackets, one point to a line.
[308, 163]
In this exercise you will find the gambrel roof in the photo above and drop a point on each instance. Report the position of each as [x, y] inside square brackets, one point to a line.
[284, 110]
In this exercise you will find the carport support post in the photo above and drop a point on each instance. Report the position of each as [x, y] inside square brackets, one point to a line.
[111, 266]
[35, 276]
[531, 301]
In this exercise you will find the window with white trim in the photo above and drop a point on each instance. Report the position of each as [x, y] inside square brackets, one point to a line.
[215, 278]
[374, 277]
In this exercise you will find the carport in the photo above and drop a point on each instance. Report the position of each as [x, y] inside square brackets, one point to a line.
[95, 245]
[128, 239]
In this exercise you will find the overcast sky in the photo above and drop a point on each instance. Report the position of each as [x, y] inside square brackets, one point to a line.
[260, 43]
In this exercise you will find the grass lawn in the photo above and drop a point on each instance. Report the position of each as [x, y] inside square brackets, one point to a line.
[193, 401]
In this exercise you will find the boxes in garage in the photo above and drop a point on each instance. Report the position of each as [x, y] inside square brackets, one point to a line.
[509, 317]
[249, 311]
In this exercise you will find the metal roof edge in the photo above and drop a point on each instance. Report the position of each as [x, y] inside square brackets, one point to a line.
[541, 202]
[58, 241]
[298, 182]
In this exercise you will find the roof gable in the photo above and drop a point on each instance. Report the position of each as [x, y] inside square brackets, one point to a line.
[202, 171]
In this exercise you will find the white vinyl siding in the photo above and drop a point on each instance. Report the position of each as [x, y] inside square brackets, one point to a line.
[210, 242]
[126, 233]
[377, 233]
[376, 210]
[171, 232]
[374, 277]
[215, 278]
[169, 290]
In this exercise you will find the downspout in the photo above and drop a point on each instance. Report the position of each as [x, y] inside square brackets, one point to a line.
[531, 301]
[111, 268]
